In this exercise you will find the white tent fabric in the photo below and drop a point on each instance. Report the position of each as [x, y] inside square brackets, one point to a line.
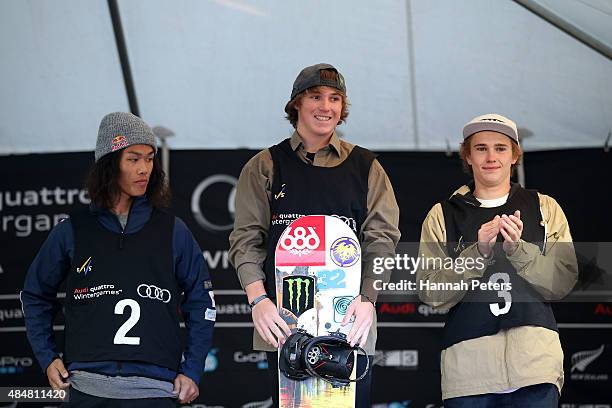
[218, 73]
[591, 17]
[59, 74]
[480, 56]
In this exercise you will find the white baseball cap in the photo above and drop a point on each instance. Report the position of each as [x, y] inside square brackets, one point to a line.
[494, 123]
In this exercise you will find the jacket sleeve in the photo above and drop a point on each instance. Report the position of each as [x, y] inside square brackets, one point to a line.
[39, 294]
[380, 232]
[433, 250]
[197, 307]
[554, 273]
[249, 237]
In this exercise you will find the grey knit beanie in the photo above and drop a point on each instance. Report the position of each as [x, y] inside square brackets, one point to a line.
[119, 130]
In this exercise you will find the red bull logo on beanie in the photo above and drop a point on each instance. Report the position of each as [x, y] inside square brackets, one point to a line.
[119, 142]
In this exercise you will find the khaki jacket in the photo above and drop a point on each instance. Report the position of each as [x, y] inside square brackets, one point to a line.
[519, 356]
[379, 233]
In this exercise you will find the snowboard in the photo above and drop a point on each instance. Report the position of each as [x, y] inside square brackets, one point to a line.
[318, 274]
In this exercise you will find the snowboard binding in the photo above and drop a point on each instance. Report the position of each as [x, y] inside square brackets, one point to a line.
[329, 358]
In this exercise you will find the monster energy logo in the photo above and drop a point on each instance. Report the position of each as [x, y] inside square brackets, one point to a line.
[298, 294]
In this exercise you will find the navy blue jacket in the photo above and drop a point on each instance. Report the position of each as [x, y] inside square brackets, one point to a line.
[52, 263]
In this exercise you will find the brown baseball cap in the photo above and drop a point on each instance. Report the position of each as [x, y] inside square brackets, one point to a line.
[311, 76]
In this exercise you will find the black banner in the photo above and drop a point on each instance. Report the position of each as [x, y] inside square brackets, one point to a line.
[44, 188]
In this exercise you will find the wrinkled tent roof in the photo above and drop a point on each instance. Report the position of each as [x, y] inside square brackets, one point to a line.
[587, 20]
[218, 73]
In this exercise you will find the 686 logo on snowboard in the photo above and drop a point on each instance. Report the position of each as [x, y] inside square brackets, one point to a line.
[303, 243]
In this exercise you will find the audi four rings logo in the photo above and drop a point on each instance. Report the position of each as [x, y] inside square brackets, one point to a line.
[202, 215]
[153, 292]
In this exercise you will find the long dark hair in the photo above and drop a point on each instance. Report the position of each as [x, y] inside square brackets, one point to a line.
[104, 190]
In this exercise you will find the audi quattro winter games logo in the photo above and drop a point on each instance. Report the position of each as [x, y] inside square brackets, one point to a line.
[344, 252]
[302, 243]
[95, 292]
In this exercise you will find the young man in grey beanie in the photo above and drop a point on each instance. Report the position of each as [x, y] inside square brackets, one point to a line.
[280, 182]
[501, 343]
[126, 262]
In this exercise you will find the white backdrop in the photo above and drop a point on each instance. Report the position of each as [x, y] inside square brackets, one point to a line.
[219, 72]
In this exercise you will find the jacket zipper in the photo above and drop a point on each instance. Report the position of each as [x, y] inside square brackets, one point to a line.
[121, 226]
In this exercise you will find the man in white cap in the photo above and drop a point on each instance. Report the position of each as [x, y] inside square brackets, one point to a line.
[501, 344]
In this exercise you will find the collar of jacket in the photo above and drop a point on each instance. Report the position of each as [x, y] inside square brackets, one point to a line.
[465, 193]
[334, 142]
[140, 212]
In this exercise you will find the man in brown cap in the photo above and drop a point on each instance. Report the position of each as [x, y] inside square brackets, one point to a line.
[312, 172]
[501, 343]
